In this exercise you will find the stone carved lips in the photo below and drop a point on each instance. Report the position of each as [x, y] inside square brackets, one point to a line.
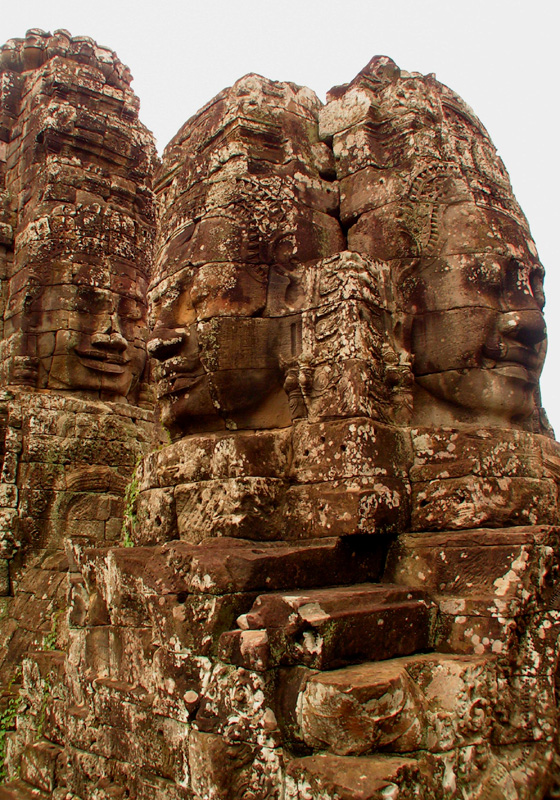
[518, 350]
[110, 365]
[102, 360]
[177, 373]
[107, 353]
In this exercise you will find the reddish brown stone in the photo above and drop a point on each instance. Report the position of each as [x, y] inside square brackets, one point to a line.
[346, 337]
[350, 778]
[326, 628]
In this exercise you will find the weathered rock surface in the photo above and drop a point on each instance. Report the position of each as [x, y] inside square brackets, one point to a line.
[337, 579]
[77, 229]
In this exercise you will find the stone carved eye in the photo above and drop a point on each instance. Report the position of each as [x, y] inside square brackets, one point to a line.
[92, 301]
[527, 279]
[130, 309]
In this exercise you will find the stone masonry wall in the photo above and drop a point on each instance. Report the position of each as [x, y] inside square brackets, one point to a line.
[334, 574]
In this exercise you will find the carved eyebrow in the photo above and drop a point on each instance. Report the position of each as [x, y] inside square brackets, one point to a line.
[91, 292]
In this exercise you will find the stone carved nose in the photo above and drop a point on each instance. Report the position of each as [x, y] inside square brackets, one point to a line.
[110, 341]
[526, 326]
[166, 344]
[111, 338]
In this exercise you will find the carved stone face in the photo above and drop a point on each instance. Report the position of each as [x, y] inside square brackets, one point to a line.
[478, 333]
[89, 335]
[105, 352]
[182, 384]
[217, 365]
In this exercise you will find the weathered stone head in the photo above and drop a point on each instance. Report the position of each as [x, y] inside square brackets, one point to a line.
[477, 331]
[76, 235]
[423, 188]
[244, 208]
[75, 314]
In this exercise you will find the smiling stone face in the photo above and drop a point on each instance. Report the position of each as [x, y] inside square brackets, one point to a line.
[75, 310]
[477, 331]
[78, 328]
[423, 189]
[102, 348]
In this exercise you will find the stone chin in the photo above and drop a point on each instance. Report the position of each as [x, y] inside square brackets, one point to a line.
[189, 411]
[236, 398]
[82, 367]
[501, 397]
[72, 373]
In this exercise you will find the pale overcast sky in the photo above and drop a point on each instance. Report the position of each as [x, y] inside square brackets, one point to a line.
[501, 56]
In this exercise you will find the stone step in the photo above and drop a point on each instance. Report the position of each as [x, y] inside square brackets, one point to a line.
[486, 581]
[353, 778]
[428, 702]
[19, 790]
[225, 565]
[150, 582]
[502, 562]
[331, 627]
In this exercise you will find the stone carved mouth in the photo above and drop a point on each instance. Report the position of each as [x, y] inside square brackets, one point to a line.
[513, 360]
[177, 375]
[103, 360]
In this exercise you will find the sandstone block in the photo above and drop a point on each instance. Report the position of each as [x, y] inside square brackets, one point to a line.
[381, 235]
[367, 189]
[475, 626]
[247, 453]
[4, 577]
[472, 502]
[363, 505]
[326, 628]
[153, 519]
[352, 778]
[432, 702]
[195, 622]
[511, 454]
[344, 112]
[228, 565]
[238, 507]
[507, 563]
[362, 708]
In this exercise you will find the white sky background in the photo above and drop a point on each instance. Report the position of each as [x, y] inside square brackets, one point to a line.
[501, 56]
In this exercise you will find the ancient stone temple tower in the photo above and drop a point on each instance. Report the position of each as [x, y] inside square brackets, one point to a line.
[325, 566]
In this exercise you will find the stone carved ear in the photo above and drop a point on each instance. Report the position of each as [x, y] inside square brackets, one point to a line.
[293, 387]
[430, 192]
[24, 371]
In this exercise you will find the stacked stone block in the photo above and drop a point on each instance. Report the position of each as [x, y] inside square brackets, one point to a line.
[342, 578]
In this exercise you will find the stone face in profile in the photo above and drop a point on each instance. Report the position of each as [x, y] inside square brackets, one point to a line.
[221, 368]
[245, 207]
[485, 356]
